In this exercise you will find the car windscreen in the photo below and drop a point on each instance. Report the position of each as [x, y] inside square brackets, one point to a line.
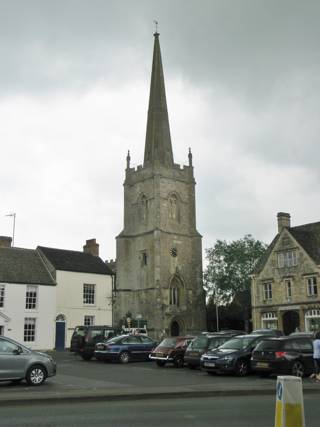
[217, 341]
[168, 342]
[268, 345]
[79, 332]
[115, 340]
[237, 343]
[199, 343]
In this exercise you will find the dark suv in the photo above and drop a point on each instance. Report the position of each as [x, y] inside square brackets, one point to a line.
[204, 343]
[171, 350]
[85, 338]
[284, 355]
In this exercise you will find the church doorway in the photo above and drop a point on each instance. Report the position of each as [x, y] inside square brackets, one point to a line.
[290, 321]
[174, 329]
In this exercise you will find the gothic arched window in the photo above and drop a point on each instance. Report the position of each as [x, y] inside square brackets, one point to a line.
[143, 207]
[174, 211]
[176, 292]
[174, 296]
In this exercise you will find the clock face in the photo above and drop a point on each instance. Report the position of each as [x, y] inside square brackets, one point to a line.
[173, 252]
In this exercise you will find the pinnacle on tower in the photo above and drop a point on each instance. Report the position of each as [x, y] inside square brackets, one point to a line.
[158, 148]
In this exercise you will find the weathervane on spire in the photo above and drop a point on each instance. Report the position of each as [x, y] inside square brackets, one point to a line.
[156, 26]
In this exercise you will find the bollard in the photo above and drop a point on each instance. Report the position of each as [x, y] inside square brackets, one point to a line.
[289, 402]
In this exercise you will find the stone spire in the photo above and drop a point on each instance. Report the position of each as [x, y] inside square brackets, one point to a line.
[158, 149]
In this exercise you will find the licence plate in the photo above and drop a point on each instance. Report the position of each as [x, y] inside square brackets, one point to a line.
[193, 354]
[159, 354]
[209, 364]
[262, 365]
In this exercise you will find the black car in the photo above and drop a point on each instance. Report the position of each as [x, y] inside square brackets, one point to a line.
[233, 356]
[201, 345]
[125, 348]
[284, 355]
[268, 331]
[302, 334]
[85, 338]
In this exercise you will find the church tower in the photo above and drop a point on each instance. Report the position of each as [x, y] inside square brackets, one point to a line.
[159, 257]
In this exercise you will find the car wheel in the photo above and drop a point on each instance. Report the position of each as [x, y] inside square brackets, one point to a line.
[124, 357]
[297, 369]
[36, 375]
[160, 363]
[178, 362]
[86, 357]
[242, 368]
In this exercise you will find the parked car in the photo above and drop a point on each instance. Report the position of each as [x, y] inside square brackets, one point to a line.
[85, 338]
[125, 348]
[284, 355]
[171, 350]
[268, 331]
[302, 334]
[202, 344]
[231, 331]
[18, 363]
[232, 356]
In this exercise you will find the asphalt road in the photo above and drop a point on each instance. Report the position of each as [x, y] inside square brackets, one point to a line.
[78, 378]
[77, 374]
[199, 412]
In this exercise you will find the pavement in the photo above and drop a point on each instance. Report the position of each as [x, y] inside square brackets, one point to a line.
[92, 384]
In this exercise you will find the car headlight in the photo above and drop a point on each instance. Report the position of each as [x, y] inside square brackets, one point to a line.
[228, 358]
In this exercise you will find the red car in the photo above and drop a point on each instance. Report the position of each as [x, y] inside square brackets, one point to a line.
[171, 350]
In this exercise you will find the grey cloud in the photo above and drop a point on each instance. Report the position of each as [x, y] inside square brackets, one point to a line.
[245, 46]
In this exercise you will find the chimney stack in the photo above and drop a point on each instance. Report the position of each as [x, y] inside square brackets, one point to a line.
[5, 242]
[283, 221]
[91, 247]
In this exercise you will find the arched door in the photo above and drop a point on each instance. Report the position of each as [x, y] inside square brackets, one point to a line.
[60, 332]
[175, 329]
[290, 321]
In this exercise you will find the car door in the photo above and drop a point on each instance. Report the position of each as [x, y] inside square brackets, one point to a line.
[13, 360]
[148, 344]
[134, 346]
[306, 349]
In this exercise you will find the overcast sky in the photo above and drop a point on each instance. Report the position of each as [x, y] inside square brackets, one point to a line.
[242, 81]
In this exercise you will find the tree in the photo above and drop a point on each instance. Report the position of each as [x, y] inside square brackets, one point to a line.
[227, 275]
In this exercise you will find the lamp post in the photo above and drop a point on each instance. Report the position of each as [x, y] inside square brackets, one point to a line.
[138, 318]
[14, 225]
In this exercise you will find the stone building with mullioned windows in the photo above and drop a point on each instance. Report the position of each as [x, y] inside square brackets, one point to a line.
[285, 283]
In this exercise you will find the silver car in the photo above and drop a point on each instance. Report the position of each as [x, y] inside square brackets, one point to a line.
[18, 362]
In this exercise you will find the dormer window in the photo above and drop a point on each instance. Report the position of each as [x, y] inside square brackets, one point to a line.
[287, 259]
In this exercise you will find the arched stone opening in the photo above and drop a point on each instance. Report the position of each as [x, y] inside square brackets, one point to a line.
[177, 327]
[290, 321]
